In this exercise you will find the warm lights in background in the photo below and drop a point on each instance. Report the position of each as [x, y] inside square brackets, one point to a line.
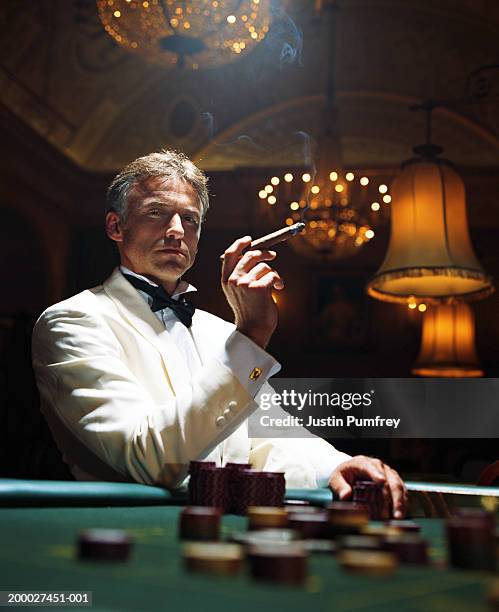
[430, 256]
[188, 33]
[341, 210]
[448, 343]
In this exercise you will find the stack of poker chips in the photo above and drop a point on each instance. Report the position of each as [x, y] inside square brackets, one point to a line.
[253, 488]
[370, 494]
[471, 540]
[279, 541]
[232, 469]
[235, 487]
[208, 485]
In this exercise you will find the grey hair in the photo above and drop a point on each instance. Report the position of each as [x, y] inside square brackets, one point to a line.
[168, 164]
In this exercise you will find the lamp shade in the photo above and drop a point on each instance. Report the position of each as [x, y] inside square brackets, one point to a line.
[430, 256]
[448, 343]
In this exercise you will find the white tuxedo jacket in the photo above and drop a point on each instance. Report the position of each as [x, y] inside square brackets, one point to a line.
[122, 405]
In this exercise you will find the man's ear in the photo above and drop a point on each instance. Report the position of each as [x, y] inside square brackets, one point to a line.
[113, 227]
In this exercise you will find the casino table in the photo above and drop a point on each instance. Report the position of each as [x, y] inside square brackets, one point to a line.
[39, 523]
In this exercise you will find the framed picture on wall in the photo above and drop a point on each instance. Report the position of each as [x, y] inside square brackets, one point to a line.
[341, 314]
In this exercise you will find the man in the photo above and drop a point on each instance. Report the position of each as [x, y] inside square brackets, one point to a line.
[133, 389]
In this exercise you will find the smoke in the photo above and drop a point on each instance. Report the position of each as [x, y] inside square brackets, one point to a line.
[284, 41]
[309, 147]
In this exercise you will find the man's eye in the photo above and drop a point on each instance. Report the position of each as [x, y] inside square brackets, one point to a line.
[154, 212]
[191, 219]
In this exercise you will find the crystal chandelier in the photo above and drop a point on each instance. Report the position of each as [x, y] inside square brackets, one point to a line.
[340, 209]
[188, 33]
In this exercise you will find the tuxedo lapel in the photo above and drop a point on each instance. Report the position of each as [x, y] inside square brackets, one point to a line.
[136, 311]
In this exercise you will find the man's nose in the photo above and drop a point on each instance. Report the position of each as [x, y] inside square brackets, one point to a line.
[175, 228]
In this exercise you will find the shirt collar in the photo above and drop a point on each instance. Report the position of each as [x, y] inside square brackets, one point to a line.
[181, 288]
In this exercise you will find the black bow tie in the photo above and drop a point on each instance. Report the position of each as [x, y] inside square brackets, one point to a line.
[160, 299]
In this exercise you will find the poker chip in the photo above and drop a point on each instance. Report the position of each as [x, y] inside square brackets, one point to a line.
[346, 518]
[370, 494]
[208, 487]
[409, 548]
[265, 517]
[194, 466]
[231, 468]
[285, 564]
[254, 488]
[215, 558]
[471, 543]
[199, 523]
[313, 525]
[104, 545]
[368, 563]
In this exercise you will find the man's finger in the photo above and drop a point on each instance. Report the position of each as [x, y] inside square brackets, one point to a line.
[232, 255]
[271, 280]
[257, 272]
[249, 259]
[340, 486]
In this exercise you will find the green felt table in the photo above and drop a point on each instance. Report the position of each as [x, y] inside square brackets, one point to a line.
[38, 553]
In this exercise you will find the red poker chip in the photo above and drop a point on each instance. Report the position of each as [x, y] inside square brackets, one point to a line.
[311, 526]
[286, 563]
[254, 488]
[208, 487]
[200, 523]
[410, 549]
[371, 494]
[104, 545]
[232, 469]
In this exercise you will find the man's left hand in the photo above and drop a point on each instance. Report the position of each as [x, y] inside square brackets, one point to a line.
[359, 467]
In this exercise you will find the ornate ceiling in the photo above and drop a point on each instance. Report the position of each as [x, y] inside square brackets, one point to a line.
[101, 106]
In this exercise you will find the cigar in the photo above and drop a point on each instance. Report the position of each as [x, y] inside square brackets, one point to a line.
[265, 242]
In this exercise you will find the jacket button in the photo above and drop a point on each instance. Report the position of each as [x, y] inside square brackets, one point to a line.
[232, 405]
[227, 412]
[220, 421]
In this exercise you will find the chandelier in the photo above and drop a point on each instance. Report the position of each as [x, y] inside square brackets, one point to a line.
[430, 257]
[340, 209]
[188, 33]
[448, 343]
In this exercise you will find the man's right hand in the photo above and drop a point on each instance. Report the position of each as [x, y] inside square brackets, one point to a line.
[247, 282]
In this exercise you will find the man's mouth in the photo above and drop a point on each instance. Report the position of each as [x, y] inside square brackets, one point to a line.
[171, 250]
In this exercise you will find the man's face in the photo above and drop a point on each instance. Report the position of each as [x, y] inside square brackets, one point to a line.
[160, 236]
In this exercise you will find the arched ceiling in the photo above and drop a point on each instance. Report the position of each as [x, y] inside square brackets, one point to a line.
[102, 106]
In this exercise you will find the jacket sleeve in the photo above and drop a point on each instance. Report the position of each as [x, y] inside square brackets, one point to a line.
[83, 378]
